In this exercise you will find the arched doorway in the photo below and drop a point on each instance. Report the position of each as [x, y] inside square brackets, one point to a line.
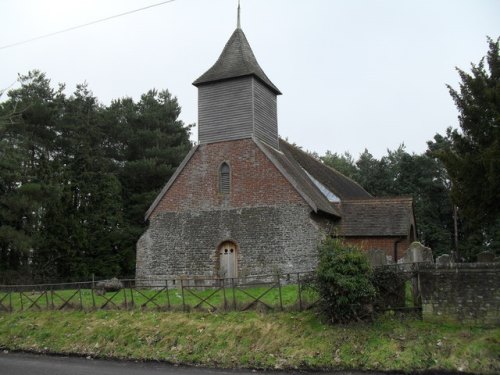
[228, 263]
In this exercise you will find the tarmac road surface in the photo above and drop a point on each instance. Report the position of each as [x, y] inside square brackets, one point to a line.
[33, 364]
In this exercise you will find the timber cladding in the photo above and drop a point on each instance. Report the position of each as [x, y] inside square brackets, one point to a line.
[236, 109]
[254, 180]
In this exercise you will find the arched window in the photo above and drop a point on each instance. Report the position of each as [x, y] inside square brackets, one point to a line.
[225, 179]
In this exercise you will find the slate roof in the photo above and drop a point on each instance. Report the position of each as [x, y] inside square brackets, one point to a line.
[236, 60]
[336, 182]
[377, 216]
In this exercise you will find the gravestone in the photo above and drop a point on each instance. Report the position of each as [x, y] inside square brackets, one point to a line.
[417, 253]
[486, 257]
[106, 286]
[443, 259]
[377, 257]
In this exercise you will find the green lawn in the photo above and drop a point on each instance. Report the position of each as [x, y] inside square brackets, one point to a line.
[286, 297]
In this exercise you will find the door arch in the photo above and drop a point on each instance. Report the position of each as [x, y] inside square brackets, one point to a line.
[228, 262]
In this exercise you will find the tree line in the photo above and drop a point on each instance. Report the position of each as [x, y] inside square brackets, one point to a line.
[77, 176]
[456, 182]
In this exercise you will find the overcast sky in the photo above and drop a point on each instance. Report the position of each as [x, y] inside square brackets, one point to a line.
[354, 74]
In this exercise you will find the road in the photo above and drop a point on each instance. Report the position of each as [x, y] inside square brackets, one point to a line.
[32, 364]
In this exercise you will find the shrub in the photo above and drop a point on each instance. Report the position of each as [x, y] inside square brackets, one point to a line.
[343, 282]
[389, 284]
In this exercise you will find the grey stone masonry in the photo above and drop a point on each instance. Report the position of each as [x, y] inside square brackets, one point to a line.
[461, 292]
[269, 240]
[486, 257]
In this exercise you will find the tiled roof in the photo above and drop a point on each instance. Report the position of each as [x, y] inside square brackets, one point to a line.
[376, 216]
[298, 178]
[236, 60]
[336, 182]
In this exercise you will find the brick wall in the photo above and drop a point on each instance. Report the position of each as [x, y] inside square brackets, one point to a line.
[461, 292]
[380, 243]
[272, 226]
[255, 181]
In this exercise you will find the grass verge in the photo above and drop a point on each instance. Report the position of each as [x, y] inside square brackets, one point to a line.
[255, 340]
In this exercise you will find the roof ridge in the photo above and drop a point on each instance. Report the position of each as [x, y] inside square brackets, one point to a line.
[326, 206]
[386, 198]
[239, 36]
[325, 165]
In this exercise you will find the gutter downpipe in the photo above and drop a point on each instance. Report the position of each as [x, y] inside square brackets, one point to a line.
[400, 239]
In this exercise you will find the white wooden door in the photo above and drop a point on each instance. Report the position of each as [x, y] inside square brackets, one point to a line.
[227, 259]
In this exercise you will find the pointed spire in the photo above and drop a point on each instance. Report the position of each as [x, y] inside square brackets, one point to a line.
[238, 25]
[236, 60]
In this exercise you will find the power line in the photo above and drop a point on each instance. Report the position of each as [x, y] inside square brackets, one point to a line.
[84, 25]
[8, 87]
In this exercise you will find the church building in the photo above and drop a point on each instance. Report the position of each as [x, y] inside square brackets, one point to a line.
[244, 202]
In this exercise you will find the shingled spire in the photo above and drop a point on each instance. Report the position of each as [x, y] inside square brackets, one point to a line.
[236, 60]
[236, 99]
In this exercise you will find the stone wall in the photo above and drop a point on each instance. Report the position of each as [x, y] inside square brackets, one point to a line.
[272, 226]
[461, 292]
[269, 240]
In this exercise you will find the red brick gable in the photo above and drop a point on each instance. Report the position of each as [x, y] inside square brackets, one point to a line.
[255, 180]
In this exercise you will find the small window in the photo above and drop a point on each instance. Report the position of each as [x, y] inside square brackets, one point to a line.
[225, 175]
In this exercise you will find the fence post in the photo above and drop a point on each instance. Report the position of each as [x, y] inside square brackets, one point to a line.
[224, 294]
[92, 293]
[125, 298]
[299, 290]
[131, 288]
[234, 293]
[80, 294]
[182, 293]
[47, 298]
[419, 290]
[168, 294]
[279, 291]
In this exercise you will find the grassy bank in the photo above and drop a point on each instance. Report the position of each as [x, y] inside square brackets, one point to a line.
[251, 339]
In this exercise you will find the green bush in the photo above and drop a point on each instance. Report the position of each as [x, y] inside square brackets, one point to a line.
[389, 284]
[343, 282]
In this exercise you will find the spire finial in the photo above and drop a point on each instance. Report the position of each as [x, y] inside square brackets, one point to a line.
[238, 25]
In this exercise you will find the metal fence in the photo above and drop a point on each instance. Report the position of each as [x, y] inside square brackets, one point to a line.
[398, 288]
[399, 291]
[267, 292]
